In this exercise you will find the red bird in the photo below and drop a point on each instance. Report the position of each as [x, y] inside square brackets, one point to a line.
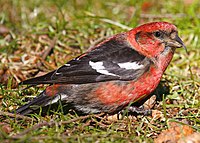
[108, 77]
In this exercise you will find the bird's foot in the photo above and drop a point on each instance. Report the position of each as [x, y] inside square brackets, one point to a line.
[134, 111]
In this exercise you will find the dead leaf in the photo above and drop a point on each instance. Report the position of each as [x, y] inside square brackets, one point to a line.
[193, 138]
[113, 117]
[117, 117]
[5, 127]
[156, 114]
[149, 104]
[175, 132]
[146, 6]
[4, 30]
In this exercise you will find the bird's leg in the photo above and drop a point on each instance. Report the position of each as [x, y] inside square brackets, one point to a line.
[139, 110]
[135, 110]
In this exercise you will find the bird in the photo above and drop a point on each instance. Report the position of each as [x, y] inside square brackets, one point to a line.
[124, 68]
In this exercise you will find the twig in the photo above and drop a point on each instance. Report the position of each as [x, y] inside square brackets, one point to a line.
[37, 126]
[49, 124]
[47, 52]
[17, 116]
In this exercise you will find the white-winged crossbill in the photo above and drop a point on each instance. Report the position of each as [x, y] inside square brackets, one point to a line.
[122, 69]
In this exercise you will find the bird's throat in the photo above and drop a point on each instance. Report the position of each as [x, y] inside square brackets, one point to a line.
[164, 58]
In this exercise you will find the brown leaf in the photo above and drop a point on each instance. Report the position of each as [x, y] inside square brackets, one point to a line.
[7, 75]
[156, 114]
[193, 138]
[3, 30]
[174, 133]
[150, 102]
[5, 127]
[188, 2]
[117, 117]
[146, 6]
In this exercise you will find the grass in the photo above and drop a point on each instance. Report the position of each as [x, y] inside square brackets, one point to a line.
[71, 27]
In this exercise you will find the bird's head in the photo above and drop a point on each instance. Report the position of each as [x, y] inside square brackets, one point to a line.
[153, 39]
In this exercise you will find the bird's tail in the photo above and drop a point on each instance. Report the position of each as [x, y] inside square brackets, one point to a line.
[34, 105]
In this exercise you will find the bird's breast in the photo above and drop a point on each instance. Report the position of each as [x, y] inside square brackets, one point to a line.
[124, 92]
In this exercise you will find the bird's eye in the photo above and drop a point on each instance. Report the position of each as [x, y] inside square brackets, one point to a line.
[158, 34]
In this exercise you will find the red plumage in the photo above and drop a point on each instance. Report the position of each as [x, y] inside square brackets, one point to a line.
[122, 69]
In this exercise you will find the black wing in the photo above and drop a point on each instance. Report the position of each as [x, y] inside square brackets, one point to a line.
[114, 59]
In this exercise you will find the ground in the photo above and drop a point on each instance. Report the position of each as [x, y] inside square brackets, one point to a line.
[39, 36]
